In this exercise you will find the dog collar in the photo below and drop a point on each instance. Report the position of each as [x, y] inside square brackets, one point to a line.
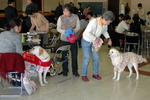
[45, 58]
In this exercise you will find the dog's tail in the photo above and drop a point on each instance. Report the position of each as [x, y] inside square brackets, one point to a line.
[144, 60]
[141, 59]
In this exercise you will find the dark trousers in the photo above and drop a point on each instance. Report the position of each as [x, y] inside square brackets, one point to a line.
[74, 53]
[118, 38]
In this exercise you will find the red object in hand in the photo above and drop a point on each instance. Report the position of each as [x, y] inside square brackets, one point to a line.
[72, 38]
[121, 41]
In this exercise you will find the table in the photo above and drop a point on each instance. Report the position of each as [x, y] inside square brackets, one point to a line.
[43, 37]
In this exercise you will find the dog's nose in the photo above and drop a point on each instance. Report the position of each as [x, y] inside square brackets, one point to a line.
[108, 55]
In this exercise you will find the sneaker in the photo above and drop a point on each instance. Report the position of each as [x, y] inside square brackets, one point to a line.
[84, 78]
[96, 77]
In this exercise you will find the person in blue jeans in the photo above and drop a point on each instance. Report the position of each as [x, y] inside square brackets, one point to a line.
[94, 30]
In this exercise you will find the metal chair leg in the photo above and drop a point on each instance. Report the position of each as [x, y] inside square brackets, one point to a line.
[13, 95]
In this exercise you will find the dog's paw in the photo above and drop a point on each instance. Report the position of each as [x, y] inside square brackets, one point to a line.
[113, 78]
[45, 82]
[137, 78]
[42, 84]
[128, 76]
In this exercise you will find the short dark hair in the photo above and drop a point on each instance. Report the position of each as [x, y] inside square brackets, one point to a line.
[89, 6]
[135, 19]
[80, 4]
[139, 5]
[82, 17]
[121, 15]
[12, 23]
[69, 7]
[10, 1]
[108, 16]
[127, 17]
[90, 13]
[30, 12]
[148, 13]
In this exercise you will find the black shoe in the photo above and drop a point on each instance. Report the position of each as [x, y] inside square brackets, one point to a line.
[60, 73]
[76, 74]
[65, 74]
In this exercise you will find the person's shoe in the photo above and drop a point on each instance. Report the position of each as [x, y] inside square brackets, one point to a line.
[76, 74]
[85, 79]
[96, 76]
[65, 74]
[60, 73]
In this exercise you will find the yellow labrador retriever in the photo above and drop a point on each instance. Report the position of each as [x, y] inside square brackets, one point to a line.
[43, 62]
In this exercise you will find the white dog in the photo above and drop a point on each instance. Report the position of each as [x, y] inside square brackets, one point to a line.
[39, 57]
[121, 60]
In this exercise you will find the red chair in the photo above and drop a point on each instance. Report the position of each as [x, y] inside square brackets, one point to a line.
[11, 63]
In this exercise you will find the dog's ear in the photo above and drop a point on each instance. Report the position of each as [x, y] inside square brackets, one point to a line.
[41, 51]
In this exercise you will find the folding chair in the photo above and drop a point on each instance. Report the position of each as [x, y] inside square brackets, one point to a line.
[9, 87]
[58, 61]
[132, 39]
[11, 63]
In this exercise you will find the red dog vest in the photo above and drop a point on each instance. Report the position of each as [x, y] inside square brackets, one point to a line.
[34, 59]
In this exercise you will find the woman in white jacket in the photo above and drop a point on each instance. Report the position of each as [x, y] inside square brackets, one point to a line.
[95, 28]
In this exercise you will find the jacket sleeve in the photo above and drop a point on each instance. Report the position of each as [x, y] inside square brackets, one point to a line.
[59, 25]
[89, 30]
[106, 33]
[77, 28]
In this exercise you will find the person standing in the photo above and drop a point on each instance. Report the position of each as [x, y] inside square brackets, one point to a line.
[59, 10]
[141, 11]
[40, 23]
[69, 21]
[86, 10]
[127, 9]
[31, 6]
[10, 11]
[79, 9]
[94, 29]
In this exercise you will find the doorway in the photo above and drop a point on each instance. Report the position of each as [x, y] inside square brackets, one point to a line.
[113, 5]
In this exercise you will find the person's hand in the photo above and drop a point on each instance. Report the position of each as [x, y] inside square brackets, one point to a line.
[97, 40]
[109, 42]
[31, 30]
[24, 14]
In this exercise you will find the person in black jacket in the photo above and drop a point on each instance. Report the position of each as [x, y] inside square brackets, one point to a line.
[136, 28]
[10, 10]
[79, 9]
[31, 6]
[59, 10]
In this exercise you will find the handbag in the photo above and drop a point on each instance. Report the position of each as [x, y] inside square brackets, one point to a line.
[29, 85]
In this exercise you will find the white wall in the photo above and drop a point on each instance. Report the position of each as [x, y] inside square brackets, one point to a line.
[145, 3]
[124, 2]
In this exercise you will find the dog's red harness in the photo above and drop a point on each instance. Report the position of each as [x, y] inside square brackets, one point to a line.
[35, 60]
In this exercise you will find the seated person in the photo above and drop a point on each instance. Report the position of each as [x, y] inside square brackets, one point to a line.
[141, 21]
[120, 18]
[135, 27]
[89, 16]
[148, 20]
[10, 39]
[122, 27]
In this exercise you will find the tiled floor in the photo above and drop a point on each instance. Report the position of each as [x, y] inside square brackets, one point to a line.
[105, 89]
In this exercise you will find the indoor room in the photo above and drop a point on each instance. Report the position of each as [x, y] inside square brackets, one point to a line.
[74, 49]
